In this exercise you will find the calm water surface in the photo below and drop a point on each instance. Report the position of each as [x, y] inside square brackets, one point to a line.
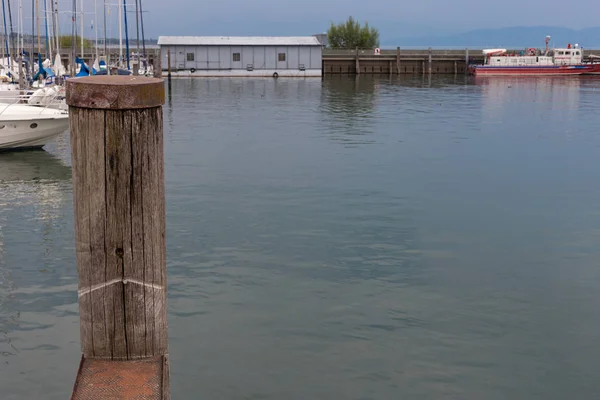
[345, 239]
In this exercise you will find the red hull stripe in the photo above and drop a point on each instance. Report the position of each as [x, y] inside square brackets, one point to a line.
[533, 70]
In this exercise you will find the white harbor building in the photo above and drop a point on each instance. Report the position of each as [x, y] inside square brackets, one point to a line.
[201, 56]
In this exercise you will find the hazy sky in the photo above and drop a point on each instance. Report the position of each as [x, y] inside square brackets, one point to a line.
[276, 17]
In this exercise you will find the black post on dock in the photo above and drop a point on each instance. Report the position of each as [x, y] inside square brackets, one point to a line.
[169, 64]
[430, 61]
[116, 126]
[157, 66]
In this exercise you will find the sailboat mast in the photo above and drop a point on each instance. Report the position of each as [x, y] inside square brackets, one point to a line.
[137, 28]
[19, 16]
[96, 27]
[46, 26]
[55, 24]
[81, 33]
[120, 35]
[105, 47]
[126, 34]
[73, 39]
[12, 36]
[32, 36]
[37, 12]
[20, 44]
[142, 22]
[6, 35]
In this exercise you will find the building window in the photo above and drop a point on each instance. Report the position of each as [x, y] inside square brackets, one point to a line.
[281, 57]
[190, 56]
[237, 57]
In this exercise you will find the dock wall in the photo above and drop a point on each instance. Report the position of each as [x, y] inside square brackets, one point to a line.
[410, 61]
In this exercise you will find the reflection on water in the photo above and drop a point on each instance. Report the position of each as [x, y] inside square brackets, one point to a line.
[360, 238]
[35, 235]
[346, 238]
[545, 97]
[25, 166]
[349, 103]
[35, 178]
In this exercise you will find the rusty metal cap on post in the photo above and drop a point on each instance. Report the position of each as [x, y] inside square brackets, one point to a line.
[116, 92]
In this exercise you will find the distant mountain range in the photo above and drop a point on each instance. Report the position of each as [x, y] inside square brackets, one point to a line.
[514, 37]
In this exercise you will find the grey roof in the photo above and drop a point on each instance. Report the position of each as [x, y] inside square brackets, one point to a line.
[238, 40]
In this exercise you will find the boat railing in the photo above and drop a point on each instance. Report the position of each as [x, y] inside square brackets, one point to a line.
[51, 101]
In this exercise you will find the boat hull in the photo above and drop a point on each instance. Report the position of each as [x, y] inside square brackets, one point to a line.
[25, 134]
[531, 70]
[595, 70]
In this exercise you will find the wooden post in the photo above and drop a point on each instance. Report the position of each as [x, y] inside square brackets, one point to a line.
[398, 60]
[169, 62]
[390, 68]
[455, 67]
[430, 62]
[466, 60]
[357, 63]
[116, 126]
[136, 69]
[157, 66]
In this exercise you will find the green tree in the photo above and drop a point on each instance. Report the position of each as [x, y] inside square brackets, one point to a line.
[67, 41]
[350, 35]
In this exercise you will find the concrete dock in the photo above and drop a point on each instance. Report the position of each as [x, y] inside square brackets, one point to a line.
[400, 61]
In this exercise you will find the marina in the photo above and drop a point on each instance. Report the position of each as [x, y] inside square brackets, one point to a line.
[270, 217]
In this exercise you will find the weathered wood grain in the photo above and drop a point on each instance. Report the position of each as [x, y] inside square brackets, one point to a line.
[119, 204]
[118, 225]
[77, 123]
[95, 185]
[138, 310]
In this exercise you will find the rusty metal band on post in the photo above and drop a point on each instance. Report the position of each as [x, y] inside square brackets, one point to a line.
[116, 92]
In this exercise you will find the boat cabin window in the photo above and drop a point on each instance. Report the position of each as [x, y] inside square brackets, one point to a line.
[568, 53]
[576, 53]
[560, 53]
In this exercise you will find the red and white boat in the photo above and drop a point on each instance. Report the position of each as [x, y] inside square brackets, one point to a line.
[532, 61]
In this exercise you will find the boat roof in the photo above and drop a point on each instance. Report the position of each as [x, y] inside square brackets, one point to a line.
[494, 51]
[238, 41]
